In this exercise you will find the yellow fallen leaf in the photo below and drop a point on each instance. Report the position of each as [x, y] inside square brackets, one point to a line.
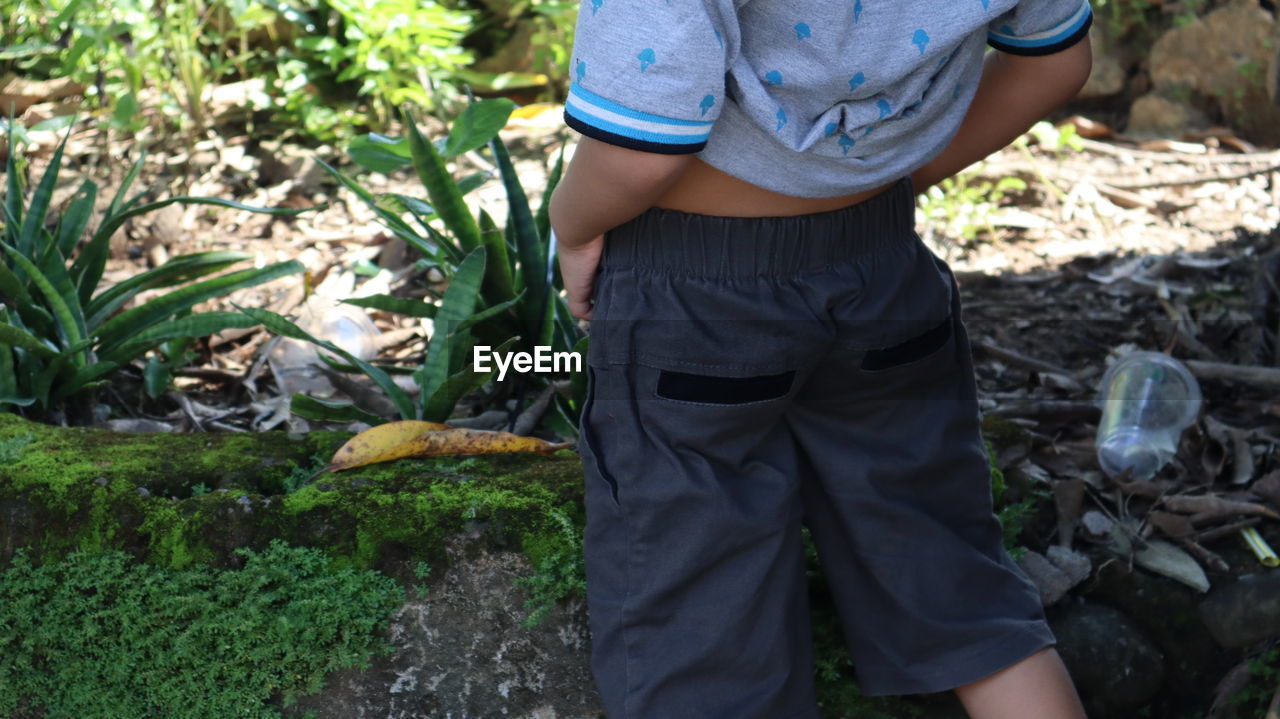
[429, 439]
[377, 440]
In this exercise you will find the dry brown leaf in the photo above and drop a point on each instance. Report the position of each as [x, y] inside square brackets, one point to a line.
[1176, 526]
[1206, 507]
[396, 440]
[1268, 488]
[1085, 127]
[1068, 497]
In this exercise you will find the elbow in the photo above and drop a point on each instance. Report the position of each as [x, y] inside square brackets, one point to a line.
[1078, 64]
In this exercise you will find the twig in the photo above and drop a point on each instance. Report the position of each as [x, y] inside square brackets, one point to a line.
[530, 418]
[1018, 358]
[1198, 180]
[1273, 709]
[1210, 535]
[1104, 148]
[1048, 409]
[1206, 557]
[1266, 377]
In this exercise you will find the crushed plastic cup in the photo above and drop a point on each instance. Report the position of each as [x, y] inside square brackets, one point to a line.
[295, 364]
[1147, 399]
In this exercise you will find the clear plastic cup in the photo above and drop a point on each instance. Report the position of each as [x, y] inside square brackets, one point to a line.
[1147, 399]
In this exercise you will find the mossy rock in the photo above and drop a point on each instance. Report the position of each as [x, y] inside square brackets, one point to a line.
[178, 499]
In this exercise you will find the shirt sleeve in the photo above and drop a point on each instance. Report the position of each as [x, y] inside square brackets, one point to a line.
[1040, 27]
[648, 74]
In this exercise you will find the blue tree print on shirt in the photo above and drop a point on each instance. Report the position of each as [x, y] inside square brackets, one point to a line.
[802, 31]
[707, 103]
[596, 5]
[986, 4]
[856, 81]
[773, 77]
[647, 58]
[847, 142]
[582, 70]
[857, 10]
[885, 108]
[719, 38]
[831, 128]
[955, 94]
[920, 39]
[782, 119]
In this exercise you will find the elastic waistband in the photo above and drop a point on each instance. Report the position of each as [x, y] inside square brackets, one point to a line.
[709, 245]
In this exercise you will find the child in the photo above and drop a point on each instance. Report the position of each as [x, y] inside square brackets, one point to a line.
[772, 346]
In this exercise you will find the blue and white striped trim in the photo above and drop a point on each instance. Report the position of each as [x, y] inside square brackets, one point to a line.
[1060, 37]
[620, 125]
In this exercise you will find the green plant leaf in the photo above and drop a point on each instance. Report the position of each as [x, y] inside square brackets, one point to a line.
[498, 280]
[73, 223]
[89, 265]
[13, 197]
[119, 329]
[543, 219]
[82, 380]
[284, 327]
[443, 191]
[200, 325]
[446, 396]
[391, 221]
[15, 337]
[399, 305]
[457, 305]
[177, 270]
[323, 410]
[488, 312]
[68, 327]
[33, 222]
[530, 249]
[479, 123]
[379, 152]
[155, 377]
[130, 177]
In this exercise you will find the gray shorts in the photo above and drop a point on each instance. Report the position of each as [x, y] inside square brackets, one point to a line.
[752, 375]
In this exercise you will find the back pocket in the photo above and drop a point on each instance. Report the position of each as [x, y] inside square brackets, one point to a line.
[704, 389]
[912, 350]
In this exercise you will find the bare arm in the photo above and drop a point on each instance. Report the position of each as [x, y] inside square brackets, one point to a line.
[604, 187]
[607, 185]
[1015, 92]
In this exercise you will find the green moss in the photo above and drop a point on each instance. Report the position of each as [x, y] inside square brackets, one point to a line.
[97, 636]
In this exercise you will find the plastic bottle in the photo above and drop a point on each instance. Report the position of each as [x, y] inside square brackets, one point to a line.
[1147, 399]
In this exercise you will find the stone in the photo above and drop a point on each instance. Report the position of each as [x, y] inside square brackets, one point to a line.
[1168, 613]
[1075, 565]
[1245, 611]
[1052, 582]
[1227, 56]
[1154, 115]
[1114, 665]
[462, 651]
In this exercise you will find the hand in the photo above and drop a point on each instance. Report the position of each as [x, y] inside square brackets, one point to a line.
[578, 266]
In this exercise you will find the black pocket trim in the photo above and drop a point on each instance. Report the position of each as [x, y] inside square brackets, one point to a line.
[917, 347]
[684, 387]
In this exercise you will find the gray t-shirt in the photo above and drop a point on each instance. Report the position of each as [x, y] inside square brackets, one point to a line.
[811, 98]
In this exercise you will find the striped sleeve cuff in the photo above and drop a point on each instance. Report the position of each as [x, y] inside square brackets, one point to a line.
[607, 121]
[1057, 38]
